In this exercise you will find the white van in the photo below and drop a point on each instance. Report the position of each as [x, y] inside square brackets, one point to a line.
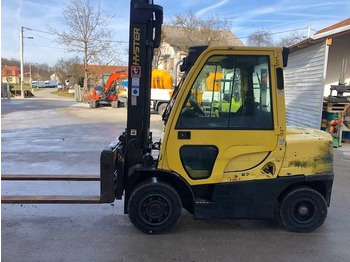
[51, 83]
[38, 84]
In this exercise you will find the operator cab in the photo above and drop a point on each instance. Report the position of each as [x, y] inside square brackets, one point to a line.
[230, 91]
[225, 108]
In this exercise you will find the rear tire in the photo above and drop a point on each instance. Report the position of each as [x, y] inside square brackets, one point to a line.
[154, 207]
[161, 108]
[303, 210]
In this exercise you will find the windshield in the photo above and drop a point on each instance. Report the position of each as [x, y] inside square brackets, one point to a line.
[230, 92]
[172, 99]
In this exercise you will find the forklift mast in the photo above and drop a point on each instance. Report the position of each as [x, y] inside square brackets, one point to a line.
[145, 31]
[133, 147]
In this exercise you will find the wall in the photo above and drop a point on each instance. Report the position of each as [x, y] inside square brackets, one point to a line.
[14, 80]
[304, 85]
[170, 57]
[339, 49]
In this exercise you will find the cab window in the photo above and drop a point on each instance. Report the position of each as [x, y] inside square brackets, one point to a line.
[230, 92]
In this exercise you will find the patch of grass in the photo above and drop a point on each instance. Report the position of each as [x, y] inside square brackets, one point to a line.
[63, 93]
[18, 87]
[25, 87]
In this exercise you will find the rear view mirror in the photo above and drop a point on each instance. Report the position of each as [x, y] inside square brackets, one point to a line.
[280, 80]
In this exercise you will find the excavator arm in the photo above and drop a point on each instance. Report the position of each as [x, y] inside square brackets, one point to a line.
[114, 77]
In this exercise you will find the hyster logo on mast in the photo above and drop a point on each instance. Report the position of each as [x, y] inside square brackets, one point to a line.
[136, 47]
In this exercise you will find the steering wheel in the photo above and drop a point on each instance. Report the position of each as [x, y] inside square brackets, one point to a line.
[196, 107]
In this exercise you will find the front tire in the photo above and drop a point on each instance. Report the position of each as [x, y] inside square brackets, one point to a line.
[154, 207]
[303, 210]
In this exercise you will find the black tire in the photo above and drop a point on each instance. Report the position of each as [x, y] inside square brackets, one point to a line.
[154, 208]
[93, 104]
[303, 210]
[161, 108]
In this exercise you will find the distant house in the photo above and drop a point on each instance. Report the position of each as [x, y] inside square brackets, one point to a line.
[176, 40]
[10, 74]
[54, 77]
[313, 66]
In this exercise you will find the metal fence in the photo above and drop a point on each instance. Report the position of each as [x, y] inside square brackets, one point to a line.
[5, 91]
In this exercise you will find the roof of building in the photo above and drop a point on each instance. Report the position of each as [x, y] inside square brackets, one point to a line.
[343, 23]
[98, 70]
[179, 36]
[335, 30]
[15, 70]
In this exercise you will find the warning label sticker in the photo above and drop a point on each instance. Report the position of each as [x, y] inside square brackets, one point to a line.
[135, 71]
[135, 91]
[135, 82]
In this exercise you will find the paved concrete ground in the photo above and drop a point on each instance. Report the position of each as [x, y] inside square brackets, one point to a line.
[51, 135]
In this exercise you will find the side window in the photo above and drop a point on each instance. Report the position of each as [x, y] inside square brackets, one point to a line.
[230, 92]
[198, 160]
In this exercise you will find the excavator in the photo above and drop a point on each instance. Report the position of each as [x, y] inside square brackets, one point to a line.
[109, 93]
[224, 162]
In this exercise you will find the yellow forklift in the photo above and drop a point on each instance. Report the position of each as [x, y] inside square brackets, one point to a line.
[216, 163]
[216, 160]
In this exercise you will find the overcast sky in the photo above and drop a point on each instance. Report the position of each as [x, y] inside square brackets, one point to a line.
[244, 17]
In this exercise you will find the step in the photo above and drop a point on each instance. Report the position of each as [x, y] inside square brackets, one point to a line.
[204, 209]
[203, 201]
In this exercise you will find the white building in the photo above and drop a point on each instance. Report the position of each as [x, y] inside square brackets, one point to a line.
[313, 66]
[176, 40]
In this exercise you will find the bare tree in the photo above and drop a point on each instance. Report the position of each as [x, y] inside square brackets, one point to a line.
[191, 30]
[261, 37]
[86, 32]
[291, 39]
[68, 69]
[39, 71]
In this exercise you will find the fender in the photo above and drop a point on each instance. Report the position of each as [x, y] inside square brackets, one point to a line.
[138, 174]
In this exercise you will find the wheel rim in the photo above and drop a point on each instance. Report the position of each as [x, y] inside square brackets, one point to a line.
[155, 209]
[303, 211]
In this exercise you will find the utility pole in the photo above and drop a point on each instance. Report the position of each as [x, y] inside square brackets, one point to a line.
[30, 77]
[308, 31]
[21, 55]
